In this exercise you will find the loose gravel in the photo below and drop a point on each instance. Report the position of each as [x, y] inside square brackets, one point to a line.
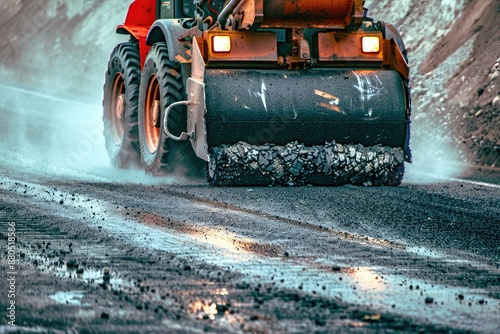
[298, 165]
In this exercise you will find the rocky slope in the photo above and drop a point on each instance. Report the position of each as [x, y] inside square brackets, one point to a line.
[59, 46]
[62, 47]
[454, 50]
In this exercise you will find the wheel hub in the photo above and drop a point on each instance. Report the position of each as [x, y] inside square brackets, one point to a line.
[155, 114]
[120, 107]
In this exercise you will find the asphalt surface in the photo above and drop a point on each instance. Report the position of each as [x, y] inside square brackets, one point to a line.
[99, 249]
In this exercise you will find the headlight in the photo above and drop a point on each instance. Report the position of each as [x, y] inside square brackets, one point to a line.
[221, 43]
[371, 44]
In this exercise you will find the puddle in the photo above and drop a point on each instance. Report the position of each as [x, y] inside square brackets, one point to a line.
[68, 297]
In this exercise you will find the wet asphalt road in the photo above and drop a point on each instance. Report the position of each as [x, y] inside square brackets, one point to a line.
[186, 257]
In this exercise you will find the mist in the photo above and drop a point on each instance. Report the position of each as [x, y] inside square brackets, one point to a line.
[432, 139]
[52, 72]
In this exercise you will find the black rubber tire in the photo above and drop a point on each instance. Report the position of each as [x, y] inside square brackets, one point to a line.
[164, 155]
[122, 78]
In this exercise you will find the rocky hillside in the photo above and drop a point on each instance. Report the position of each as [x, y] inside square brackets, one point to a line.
[59, 46]
[454, 50]
[62, 47]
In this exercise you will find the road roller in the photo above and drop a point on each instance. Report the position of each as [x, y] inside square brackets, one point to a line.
[259, 92]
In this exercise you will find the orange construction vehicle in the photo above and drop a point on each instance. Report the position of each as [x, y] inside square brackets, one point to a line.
[274, 92]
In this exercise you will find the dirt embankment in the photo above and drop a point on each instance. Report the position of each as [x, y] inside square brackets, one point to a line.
[474, 90]
[454, 51]
[59, 47]
[63, 47]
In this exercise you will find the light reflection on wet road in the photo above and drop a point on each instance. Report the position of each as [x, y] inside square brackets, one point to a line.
[227, 228]
[378, 287]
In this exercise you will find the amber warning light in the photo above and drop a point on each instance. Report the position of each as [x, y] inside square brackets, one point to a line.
[371, 44]
[222, 43]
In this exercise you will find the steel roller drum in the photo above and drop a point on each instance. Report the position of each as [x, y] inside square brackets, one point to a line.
[366, 107]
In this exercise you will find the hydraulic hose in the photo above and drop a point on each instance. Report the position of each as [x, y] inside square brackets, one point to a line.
[222, 18]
